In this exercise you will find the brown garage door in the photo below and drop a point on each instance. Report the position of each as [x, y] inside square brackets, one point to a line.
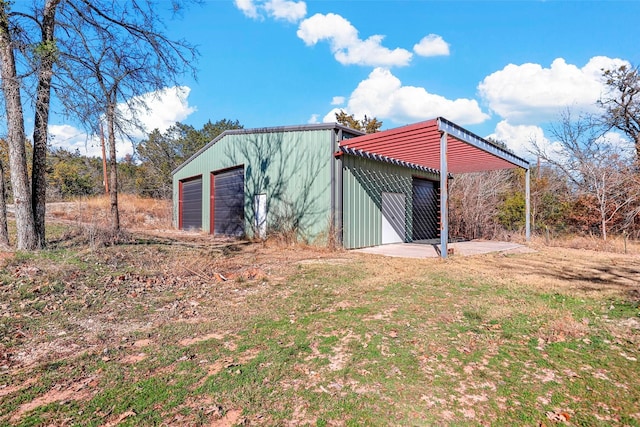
[191, 204]
[228, 202]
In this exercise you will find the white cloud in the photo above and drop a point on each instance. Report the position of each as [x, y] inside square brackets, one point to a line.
[520, 138]
[247, 7]
[619, 142]
[285, 10]
[164, 109]
[338, 100]
[291, 11]
[313, 119]
[71, 139]
[432, 45]
[345, 44]
[330, 117]
[529, 93]
[382, 95]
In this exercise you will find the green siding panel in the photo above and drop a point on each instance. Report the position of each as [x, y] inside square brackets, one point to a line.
[364, 181]
[293, 169]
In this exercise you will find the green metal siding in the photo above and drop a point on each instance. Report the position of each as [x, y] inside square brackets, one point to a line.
[293, 169]
[364, 181]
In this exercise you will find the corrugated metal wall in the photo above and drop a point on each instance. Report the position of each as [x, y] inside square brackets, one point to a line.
[292, 168]
[364, 181]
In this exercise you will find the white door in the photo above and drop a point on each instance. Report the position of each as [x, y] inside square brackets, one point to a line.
[260, 210]
[393, 218]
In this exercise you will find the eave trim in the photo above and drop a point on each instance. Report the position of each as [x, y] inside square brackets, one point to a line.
[480, 143]
[386, 159]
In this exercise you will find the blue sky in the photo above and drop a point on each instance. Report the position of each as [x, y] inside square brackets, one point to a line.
[503, 69]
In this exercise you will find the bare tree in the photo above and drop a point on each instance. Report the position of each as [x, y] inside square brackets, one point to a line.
[123, 36]
[99, 80]
[594, 166]
[549, 198]
[622, 103]
[474, 199]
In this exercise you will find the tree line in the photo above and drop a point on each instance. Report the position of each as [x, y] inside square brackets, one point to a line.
[146, 173]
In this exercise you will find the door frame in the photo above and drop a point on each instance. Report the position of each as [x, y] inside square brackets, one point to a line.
[181, 199]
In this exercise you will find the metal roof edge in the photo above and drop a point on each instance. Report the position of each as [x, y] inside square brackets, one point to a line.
[272, 129]
[459, 132]
[294, 128]
[205, 147]
[387, 159]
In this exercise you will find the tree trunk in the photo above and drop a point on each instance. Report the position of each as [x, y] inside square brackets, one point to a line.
[4, 231]
[40, 130]
[113, 169]
[26, 232]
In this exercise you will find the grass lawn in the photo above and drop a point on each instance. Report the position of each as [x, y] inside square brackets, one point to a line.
[169, 334]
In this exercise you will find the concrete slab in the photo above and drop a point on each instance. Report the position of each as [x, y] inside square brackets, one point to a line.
[429, 249]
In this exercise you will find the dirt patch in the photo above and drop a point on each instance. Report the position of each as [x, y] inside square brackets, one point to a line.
[205, 411]
[4, 256]
[134, 358]
[190, 341]
[385, 316]
[229, 419]
[143, 343]
[7, 390]
[227, 363]
[120, 418]
[38, 352]
[339, 356]
[248, 356]
[81, 390]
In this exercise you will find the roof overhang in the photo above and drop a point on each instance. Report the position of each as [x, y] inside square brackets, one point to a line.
[419, 144]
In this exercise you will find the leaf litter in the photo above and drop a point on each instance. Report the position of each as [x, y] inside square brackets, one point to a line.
[113, 303]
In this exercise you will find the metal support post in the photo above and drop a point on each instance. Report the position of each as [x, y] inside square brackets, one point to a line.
[527, 208]
[444, 196]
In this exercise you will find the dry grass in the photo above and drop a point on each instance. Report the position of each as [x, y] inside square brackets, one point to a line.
[136, 213]
[563, 328]
[614, 243]
[282, 334]
[279, 333]
[559, 269]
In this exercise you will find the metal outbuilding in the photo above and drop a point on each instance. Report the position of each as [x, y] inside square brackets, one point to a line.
[328, 179]
[441, 146]
[246, 181]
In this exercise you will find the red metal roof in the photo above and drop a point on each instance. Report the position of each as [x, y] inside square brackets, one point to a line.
[419, 143]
